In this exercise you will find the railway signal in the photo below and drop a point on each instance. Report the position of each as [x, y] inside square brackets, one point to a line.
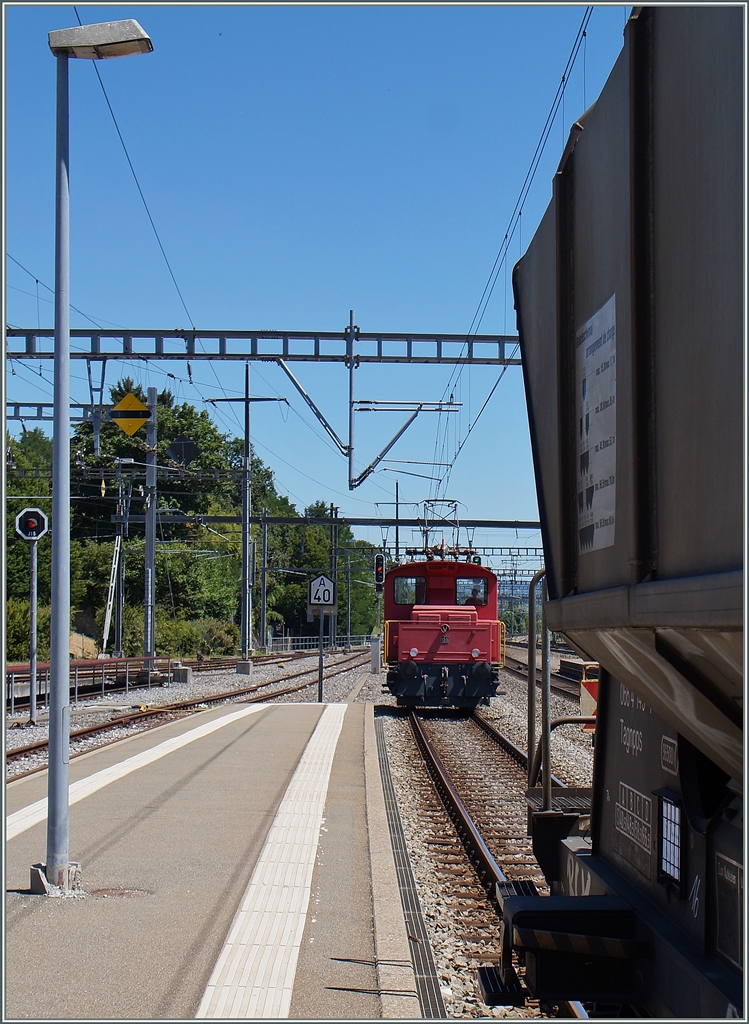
[32, 524]
[379, 571]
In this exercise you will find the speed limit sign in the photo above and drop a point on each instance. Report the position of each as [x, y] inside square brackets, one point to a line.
[322, 591]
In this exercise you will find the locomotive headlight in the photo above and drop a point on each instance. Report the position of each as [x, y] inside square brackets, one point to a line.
[475, 652]
[414, 651]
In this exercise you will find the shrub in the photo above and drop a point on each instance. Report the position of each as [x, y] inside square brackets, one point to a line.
[17, 631]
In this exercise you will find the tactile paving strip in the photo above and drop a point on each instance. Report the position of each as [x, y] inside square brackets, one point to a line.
[427, 982]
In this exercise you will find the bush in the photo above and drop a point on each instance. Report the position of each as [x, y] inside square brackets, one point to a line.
[174, 637]
[185, 637]
[17, 631]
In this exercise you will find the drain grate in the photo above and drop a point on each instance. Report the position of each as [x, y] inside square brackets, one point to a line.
[427, 982]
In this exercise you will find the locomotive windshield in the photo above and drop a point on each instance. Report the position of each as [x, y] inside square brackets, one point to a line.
[410, 590]
[471, 590]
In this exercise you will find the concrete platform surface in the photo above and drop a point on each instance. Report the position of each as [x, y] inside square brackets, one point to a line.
[234, 865]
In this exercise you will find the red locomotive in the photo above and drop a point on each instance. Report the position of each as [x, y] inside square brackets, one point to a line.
[444, 644]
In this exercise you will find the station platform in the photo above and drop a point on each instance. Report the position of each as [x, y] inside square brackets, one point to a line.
[235, 864]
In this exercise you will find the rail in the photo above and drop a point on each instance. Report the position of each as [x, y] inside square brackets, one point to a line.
[107, 675]
[489, 871]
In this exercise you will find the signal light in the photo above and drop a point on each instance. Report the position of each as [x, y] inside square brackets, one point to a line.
[476, 559]
[31, 524]
[379, 569]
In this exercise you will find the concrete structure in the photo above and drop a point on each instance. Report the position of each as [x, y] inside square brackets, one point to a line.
[237, 863]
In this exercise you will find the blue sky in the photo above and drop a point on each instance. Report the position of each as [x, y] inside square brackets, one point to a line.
[300, 161]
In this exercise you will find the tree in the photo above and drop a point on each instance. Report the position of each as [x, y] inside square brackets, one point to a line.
[309, 554]
[198, 566]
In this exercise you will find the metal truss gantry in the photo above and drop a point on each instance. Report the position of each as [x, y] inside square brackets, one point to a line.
[349, 347]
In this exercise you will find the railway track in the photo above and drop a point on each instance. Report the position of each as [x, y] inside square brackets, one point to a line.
[111, 676]
[559, 684]
[149, 717]
[479, 782]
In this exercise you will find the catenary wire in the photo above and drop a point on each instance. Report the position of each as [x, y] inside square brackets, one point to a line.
[515, 223]
[137, 185]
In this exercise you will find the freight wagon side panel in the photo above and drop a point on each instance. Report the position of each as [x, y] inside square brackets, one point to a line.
[699, 284]
[646, 572]
[597, 344]
[537, 319]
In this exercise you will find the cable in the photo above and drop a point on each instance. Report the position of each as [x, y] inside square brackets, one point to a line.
[516, 219]
[137, 184]
[51, 290]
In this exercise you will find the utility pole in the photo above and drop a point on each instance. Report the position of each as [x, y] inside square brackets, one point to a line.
[246, 505]
[351, 332]
[397, 552]
[120, 571]
[149, 600]
[263, 575]
[334, 566]
[348, 602]
[247, 572]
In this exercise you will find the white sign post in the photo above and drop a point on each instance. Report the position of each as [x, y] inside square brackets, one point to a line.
[321, 596]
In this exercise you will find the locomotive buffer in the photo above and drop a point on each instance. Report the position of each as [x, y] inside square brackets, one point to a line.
[322, 599]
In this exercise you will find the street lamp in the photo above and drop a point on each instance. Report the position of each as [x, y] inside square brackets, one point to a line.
[95, 42]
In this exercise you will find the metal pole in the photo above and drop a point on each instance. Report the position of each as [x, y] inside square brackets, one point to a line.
[348, 603]
[351, 367]
[263, 574]
[59, 701]
[149, 604]
[32, 636]
[120, 576]
[246, 630]
[532, 663]
[334, 574]
[397, 550]
[545, 703]
[331, 563]
[321, 612]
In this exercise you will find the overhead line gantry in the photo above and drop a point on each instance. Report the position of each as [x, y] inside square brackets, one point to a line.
[350, 347]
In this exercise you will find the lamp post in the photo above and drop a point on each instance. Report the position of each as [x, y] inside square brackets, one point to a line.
[95, 42]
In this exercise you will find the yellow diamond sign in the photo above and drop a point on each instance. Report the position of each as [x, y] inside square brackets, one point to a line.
[130, 414]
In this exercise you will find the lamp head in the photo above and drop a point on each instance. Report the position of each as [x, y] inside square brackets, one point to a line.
[101, 41]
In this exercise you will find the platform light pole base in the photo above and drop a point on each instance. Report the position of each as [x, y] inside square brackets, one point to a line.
[40, 886]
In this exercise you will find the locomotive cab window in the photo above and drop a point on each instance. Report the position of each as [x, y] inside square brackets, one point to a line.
[410, 590]
[471, 590]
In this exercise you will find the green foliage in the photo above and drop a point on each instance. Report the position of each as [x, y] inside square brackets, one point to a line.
[32, 451]
[516, 621]
[307, 550]
[198, 568]
[178, 637]
[17, 631]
